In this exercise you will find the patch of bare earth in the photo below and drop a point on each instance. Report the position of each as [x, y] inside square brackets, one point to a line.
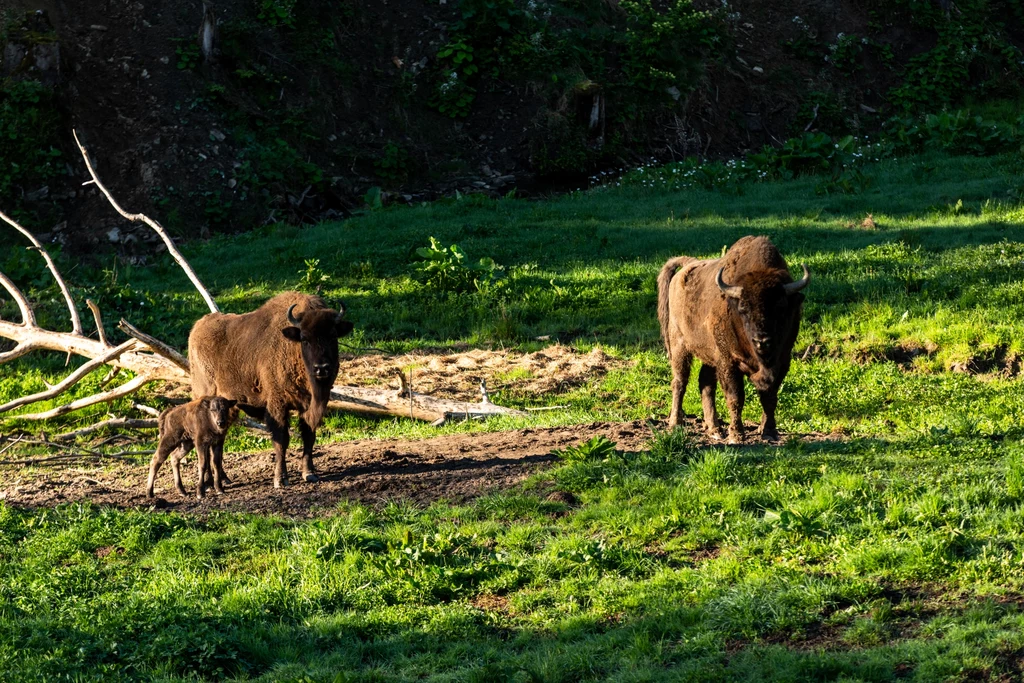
[455, 467]
[457, 376]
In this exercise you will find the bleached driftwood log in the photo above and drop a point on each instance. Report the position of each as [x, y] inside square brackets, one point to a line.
[151, 360]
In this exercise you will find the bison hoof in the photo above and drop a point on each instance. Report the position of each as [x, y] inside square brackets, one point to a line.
[735, 439]
[310, 477]
[770, 435]
[280, 483]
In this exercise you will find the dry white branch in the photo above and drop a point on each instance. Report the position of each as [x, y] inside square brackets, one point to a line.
[155, 345]
[125, 389]
[407, 403]
[159, 229]
[28, 317]
[148, 410]
[76, 323]
[98, 318]
[71, 379]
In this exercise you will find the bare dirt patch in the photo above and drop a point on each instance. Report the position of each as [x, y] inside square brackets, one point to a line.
[457, 375]
[455, 467]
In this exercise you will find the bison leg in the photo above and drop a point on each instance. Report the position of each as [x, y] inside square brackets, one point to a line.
[162, 451]
[681, 362]
[732, 387]
[308, 439]
[176, 459]
[769, 400]
[278, 427]
[217, 467]
[707, 380]
[203, 453]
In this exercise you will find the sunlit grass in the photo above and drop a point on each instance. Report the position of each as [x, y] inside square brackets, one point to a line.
[882, 541]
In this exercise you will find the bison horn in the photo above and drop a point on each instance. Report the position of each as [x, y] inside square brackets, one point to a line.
[291, 317]
[728, 290]
[794, 287]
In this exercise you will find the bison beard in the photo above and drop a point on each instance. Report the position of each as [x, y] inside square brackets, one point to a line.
[280, 358]
[739, 315]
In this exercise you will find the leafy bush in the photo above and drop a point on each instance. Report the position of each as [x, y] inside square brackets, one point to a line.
[664, 48]
[277, 12]
[447, 269]
[958, 133]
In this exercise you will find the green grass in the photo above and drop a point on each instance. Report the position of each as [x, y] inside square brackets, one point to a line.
[894, 552]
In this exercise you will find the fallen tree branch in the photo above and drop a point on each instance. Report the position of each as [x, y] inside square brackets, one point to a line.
[116, 422]
[408, 403]
[99, 320]
[76, 323]
[71, 379]
[157, 346]
[159, 229]
[125, 389]
[148, 410]
[28, 316]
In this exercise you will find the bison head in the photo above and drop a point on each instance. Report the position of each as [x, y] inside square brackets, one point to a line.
[221, 411]
[767, 305]
[318, 331]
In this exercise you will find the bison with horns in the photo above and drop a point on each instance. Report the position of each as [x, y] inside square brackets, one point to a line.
[281, 357]
[739, 315]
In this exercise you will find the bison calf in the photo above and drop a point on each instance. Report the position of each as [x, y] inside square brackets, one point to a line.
[201, 424]
[739, 315]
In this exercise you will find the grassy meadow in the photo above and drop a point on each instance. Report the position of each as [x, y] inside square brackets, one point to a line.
[892, 550]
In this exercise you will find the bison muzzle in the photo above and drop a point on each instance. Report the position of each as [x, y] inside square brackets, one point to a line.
[280, 358]
[739, 315]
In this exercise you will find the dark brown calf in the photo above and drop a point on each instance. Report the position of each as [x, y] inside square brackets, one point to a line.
[201, 424]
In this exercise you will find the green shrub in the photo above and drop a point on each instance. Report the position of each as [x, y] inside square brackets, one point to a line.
[447, 269]
[664, 48]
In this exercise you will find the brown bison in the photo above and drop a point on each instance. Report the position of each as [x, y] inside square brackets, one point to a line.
[739, 314]
[201, 424]
[282, 357]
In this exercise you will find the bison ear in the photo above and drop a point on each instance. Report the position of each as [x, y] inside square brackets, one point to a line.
[230, 403]
[343, 327]
[293, 333]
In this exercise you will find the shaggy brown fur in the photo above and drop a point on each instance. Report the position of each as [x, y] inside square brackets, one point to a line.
[272, 366]
[201, 424]
[746, 328]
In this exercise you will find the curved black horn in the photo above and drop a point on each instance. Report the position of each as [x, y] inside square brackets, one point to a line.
[291, 318]
[341, 309]
[729, 290]
[794, 287]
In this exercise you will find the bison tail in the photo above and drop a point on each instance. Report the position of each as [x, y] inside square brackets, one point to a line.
[664, 280]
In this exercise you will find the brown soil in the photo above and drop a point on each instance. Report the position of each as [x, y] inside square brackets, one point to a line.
[457, 376]
[457, 467]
